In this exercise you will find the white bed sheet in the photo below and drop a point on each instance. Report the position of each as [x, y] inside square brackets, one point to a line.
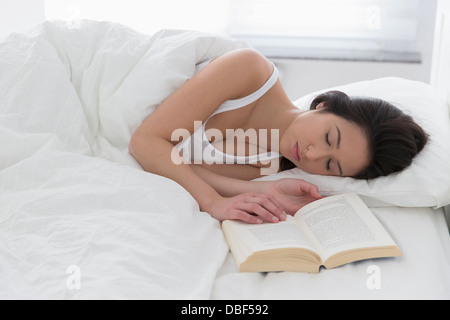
[76, 209]
[423, 272]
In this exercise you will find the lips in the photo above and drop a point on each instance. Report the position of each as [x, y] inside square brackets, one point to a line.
[295, 152]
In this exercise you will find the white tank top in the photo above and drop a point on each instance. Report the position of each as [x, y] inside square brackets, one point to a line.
[197, 148]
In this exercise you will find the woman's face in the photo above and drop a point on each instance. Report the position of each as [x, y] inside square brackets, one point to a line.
[326, 144]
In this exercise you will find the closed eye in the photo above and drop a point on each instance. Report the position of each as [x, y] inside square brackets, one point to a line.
[327, 139]
[328, 164]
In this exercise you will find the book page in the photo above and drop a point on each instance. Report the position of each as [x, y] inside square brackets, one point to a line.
[285, 234]
[340, 223]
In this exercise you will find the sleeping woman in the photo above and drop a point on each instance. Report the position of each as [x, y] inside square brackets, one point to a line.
[237, 114]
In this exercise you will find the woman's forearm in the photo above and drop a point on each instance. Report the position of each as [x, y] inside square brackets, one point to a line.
[213, 192]
[154, 155]
[227, 186]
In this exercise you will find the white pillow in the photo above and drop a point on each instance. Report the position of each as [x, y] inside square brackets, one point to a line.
[426, 183]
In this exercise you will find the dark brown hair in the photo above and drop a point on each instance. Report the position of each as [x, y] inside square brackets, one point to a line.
[394, 138]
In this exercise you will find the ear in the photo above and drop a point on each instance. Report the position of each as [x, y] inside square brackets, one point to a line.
[320, 106]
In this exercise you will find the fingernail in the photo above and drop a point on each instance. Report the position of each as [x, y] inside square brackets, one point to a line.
[275, 219]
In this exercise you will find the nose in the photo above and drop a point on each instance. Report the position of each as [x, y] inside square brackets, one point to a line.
[314, 153]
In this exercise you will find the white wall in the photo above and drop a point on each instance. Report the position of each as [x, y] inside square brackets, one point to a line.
[301, 77]
[19, 14]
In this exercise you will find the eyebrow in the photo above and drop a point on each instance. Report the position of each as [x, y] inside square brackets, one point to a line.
[338, 144]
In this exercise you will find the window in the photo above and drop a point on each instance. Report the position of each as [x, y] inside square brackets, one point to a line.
[329, 29]
[383, 30]
[147, 16]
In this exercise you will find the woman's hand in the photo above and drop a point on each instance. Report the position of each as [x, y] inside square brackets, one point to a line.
[249, 207]
[293, 194]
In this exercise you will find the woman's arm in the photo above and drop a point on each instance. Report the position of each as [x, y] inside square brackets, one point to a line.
[290, 194]
[231, 76]
[221, 178]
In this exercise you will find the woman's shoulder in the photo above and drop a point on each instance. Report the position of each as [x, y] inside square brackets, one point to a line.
[249, 58]
[249, 67]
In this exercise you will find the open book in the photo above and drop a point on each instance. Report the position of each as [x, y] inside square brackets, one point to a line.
[328, 232]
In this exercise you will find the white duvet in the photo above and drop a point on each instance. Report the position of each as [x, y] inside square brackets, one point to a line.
[79, 219]
[75, 208]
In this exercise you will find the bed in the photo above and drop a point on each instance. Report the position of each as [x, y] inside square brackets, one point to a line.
[80, 219]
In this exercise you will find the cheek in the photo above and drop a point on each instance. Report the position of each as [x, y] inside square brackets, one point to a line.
[364, 164]
[358, 158]
[300, 131]
[313, 168]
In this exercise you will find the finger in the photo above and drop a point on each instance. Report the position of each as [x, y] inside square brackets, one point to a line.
[274, 201]
[245, 216]
[270, 203]
[279, 210]
[257, 209]
[310, 188]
